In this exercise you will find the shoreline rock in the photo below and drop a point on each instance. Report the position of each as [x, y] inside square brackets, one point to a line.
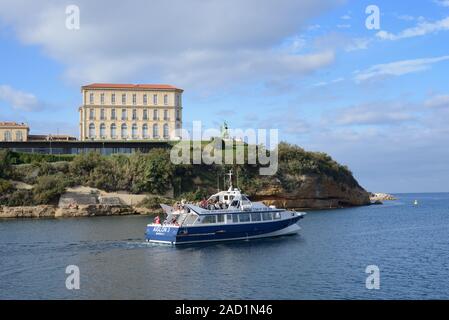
[50, 211]
[374, 197]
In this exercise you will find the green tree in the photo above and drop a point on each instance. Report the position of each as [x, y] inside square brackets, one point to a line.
[157, 171]
[48, 189]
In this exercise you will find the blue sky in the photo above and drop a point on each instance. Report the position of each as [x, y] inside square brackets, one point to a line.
[375, 100]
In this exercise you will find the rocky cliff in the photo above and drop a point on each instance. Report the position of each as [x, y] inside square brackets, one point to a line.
[313, 192]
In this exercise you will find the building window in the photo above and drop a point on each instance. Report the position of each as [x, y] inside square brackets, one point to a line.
[155, 115]
[124, 131]
[155, 131]
[178, 115]
[113, 114]
[102, 116]
[145, 131]
[166, 131]
[178, 100]
[155, 99]
[102, 130]
[113, 131]
[145, 114]
[113, 98]
[124, 116]
[134, 114]
[91, 131]
[92, 114]
[134, 99]
[102, 98]
[124, 98]
[19, 136]
[145, 99]
[166, 115]
[165, 99]
[134, 131]
[91, 98]
[8, 136]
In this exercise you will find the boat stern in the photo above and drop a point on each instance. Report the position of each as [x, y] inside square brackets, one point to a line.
[161, 233]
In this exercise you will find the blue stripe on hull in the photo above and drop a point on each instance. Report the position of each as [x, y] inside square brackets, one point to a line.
[215, 232]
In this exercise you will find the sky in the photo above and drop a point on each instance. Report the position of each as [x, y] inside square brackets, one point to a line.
[375, 99]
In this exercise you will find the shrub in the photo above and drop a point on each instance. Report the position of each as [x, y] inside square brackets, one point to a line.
[5, 186]
[18, 198]
[5, 163]
[154, 202]
[48, 189]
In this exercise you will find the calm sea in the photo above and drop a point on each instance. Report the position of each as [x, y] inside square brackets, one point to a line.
[327, 260]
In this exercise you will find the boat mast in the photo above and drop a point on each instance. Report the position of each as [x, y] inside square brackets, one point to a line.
[230, 179]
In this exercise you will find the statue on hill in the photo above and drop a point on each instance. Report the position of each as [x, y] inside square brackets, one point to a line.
[224, 131]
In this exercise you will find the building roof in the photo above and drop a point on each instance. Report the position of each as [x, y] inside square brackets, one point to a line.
[48, 137]
[13, 124]
[130, 86]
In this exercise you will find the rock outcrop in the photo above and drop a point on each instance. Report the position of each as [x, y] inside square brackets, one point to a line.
[28, 212]
[314, 192]
[381, 197]
[96, 210]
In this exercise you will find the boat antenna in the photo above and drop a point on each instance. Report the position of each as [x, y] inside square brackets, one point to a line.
[230, 178]
[237, 177]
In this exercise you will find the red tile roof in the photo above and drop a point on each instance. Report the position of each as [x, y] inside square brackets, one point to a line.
[130, 86]
[12, 124]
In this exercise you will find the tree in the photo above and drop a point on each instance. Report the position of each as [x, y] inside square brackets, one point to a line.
[48, 189]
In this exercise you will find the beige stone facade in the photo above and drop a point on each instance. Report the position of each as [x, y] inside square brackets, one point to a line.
[12, 131]
[121, 112]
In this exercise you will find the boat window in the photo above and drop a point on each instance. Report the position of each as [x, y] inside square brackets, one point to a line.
[244, 217]
[220, 218]
[255, 216]
[235, 203]
[267, 216]
[225, 197]
[277, 215]
[210, 219]
[235, 218]
[231, 197]
[229, 218]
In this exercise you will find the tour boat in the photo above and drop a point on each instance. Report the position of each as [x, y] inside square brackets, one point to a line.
[226, 215]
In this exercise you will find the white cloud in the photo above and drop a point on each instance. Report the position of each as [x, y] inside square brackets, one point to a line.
[346, 17]
[190, 43]
[372, 114]
[397, 68]
[421, 29]
[19, 100]
[439, 101]
[443, 3]
[343, 26]
[358, 44]
[324, 83]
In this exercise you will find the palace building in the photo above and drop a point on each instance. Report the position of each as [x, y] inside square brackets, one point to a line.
[124, 112]
[13, 131]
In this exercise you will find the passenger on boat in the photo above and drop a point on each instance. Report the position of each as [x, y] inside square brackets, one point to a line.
[157, 220]
[203, 204]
